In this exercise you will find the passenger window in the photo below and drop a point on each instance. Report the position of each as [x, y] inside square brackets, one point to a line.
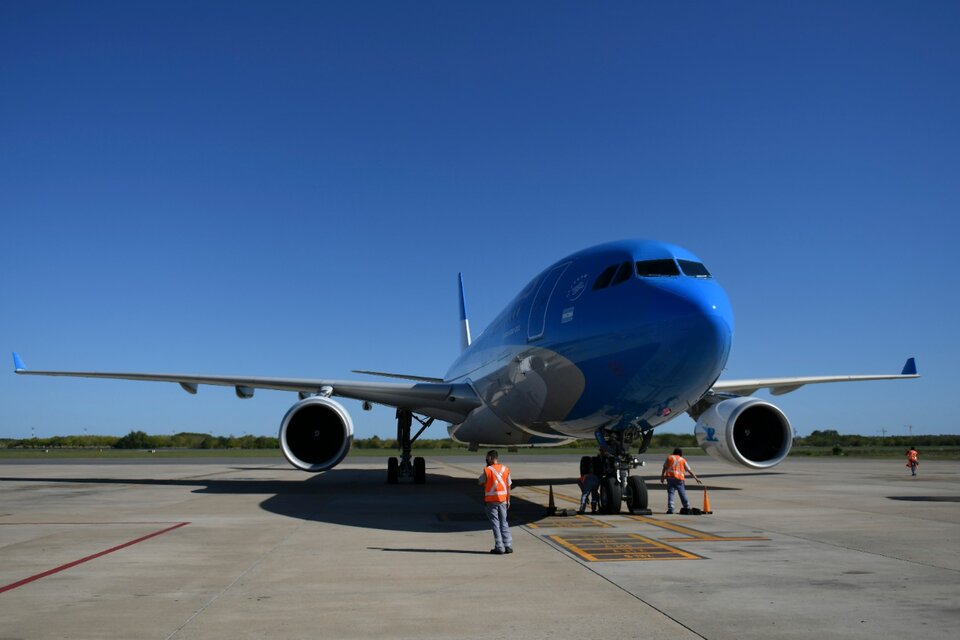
[654, 268]
[695, 269]
[604, 278]
[626, 270]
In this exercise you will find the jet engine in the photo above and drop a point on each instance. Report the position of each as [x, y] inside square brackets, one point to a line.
[745, 431]
[316, 434]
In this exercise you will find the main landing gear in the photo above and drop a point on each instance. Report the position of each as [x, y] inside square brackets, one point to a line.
[407, 466]
[613, 467]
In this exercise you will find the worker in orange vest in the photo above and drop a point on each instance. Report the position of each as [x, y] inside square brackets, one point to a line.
[673, 472]
[913, 460]
[496, 483]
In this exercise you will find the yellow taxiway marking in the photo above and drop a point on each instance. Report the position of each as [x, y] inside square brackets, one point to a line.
[690, 534]
[603, 547]
[568, 522]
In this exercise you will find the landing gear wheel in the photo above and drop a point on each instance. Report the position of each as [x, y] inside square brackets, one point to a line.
[419, 470]
[637, 496]
[586, 465]
[393, 471]
[610, 495]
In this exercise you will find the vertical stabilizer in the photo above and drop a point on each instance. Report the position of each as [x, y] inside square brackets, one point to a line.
[464, 322]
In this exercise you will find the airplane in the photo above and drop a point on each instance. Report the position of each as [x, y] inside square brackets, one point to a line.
[607, 343]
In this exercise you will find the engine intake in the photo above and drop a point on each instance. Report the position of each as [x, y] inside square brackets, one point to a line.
[316, 434]
[745, 431]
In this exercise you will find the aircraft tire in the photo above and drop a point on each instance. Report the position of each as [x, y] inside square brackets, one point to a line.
[638, 498]
[610, 495]
[419, 471]
[597, 466]
[393, 470]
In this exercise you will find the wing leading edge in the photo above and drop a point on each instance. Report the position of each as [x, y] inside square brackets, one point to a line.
[443, 401]
[780, 386]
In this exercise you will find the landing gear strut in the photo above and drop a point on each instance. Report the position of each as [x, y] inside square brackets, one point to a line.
[407, 466]
[613, 466]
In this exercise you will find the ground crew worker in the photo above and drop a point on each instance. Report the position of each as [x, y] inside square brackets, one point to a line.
[589, 490]
[496, 483]
[913, 460]
[673, 472]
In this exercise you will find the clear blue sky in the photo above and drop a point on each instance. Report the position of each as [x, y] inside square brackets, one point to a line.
[289, 189]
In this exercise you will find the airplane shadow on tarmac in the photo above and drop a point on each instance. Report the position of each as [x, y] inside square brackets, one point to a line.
[361, 497]
[349, 497]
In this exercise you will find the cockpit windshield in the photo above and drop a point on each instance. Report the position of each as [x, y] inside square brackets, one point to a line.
[666, 267]
[694, 269]
[615, 274]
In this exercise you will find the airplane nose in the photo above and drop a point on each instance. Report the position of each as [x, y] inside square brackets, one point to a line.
[697, 314]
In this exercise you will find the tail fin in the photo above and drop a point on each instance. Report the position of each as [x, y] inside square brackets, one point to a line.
[464, 322]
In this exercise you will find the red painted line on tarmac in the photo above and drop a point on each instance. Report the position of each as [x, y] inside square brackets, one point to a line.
[64, 567]
[15, 524]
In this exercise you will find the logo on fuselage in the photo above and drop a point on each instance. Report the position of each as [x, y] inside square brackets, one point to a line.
[577, 288]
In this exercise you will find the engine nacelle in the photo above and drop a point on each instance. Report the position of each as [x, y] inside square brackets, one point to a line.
[316, 434]
[745, 431]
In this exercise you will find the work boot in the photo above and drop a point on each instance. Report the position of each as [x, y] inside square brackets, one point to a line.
[508, 550]
[498, 552]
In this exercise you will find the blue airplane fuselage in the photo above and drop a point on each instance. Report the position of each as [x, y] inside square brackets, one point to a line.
[622, 335]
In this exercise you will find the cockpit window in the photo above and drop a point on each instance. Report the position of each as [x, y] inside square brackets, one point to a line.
[604, 278]
[666, 267]
[694, 269]
[626, 270]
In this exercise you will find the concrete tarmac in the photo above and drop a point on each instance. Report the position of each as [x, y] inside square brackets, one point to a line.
[834, 548]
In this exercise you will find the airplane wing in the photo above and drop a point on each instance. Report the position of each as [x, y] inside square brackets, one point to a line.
[436, 399]
[780, 386]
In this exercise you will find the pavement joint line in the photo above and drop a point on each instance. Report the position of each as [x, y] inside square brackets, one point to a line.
[69, 565]
[872, 553]
[243, 573]
[588, 566]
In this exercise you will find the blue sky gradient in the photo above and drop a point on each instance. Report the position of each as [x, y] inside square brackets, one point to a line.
[289, 189]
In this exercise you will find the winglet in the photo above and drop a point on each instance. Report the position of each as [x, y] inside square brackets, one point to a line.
[464, 322]
[910, 368]
[18, 365]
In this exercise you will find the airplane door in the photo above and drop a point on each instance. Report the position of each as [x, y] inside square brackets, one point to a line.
[538, 309]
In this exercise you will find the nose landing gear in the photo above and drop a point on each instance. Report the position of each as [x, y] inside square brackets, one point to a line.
[617, 486]
[407, 466]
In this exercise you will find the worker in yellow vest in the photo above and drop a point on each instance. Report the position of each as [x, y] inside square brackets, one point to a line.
[496, 483]
[674, 470]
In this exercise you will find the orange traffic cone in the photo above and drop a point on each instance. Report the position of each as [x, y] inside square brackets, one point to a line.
[706, 501]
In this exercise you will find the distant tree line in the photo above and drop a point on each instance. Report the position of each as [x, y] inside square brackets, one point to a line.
[140, 440]
[832, 438]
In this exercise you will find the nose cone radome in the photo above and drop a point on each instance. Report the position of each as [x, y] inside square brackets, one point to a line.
[697, 312]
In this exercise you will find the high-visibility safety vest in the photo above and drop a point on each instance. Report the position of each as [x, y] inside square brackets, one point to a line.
[676, 465]
[912, 456]
[497, 487]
